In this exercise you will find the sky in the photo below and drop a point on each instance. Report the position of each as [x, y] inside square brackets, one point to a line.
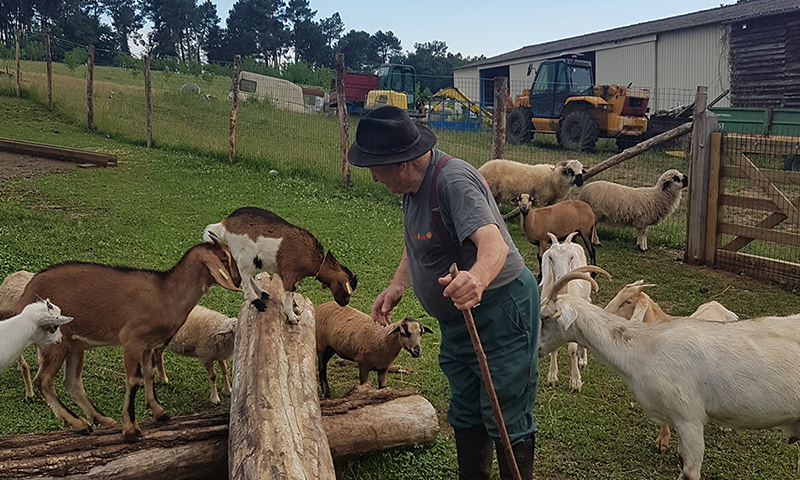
[480, 27]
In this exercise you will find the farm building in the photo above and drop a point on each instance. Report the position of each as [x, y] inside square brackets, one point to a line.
[749, 47]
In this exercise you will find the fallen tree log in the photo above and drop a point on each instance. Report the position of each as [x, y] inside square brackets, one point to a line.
[195, 447]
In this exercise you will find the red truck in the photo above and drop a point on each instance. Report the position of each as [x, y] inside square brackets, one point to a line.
[356, 87]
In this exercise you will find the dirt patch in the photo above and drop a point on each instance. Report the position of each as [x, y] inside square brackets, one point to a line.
[13, 164]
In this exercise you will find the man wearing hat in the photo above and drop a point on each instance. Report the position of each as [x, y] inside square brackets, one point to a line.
[449, 215]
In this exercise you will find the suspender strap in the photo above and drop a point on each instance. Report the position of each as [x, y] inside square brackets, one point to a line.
[447, 241]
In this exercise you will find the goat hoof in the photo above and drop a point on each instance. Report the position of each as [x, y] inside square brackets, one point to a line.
[264, 296]
[132, 437]
[84, 431]
[161, 418]
[793, 439]
[260, 305]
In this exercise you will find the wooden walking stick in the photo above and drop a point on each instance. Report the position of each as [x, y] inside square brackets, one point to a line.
[487, 382]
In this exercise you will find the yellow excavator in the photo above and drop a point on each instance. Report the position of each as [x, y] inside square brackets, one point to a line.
[447, 102]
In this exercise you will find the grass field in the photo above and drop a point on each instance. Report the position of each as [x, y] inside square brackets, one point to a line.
[153, 207]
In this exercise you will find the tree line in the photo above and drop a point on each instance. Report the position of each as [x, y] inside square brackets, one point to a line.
[273, 36]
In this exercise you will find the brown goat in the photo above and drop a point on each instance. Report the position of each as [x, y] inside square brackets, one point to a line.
[138, 309]
[560, 219]
[261, 240]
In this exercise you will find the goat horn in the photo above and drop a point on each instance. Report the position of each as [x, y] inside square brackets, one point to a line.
[570, 237]
[553, 238]
[592, 268]
[563, 281]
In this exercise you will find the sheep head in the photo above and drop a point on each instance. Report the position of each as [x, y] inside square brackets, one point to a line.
[410, 332]
[573, 170]
[672, 180]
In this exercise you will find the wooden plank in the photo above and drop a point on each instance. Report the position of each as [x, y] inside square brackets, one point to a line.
[758, 266]
[715, 162]
[770, 221]
[757, 233]
[58, 153]
[773, 145]
[748, 202]
[775, 176]
[774, 194]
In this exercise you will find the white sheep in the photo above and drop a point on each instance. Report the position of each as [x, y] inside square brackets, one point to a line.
[10, 291]
[208, 336]
[547, 184]
[621, 206]
[556, 262]
[38, 324]
[632, 303]
[353, 335]
[688, 372]
[262, 240]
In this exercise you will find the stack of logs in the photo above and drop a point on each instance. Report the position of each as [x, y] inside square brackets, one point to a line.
[277, 428]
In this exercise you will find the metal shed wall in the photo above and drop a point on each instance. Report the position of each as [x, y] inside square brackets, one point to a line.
[688, 58]
[626, 64]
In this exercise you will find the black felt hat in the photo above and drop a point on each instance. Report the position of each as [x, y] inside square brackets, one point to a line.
[387, 136]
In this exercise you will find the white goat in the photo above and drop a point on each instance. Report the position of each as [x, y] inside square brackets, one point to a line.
[261, 240]
[208, 336]
[622, 206]
[556, 262]
[547, 184]
[632, 303]
[353, 335]
[10, 290]
[37, 324]
[688, 372]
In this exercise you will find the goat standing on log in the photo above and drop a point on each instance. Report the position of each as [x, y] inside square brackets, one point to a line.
[138, 309]
[261, 240]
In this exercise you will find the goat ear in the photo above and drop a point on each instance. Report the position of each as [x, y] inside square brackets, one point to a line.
[567, 317]
[53, 321]
[425, 329]
[395, 328]
[639, 311]
[217, 270]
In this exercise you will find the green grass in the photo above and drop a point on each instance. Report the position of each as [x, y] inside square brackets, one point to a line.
[149, 210]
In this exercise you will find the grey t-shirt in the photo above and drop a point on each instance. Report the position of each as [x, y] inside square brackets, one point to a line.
[466, 204]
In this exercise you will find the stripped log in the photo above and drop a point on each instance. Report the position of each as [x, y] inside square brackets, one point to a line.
[276, 423]
[57, 153]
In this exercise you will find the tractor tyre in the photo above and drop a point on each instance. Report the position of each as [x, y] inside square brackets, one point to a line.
[579, 131]
[519, 128]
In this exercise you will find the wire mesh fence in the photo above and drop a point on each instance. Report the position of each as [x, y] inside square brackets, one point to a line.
[286, 128]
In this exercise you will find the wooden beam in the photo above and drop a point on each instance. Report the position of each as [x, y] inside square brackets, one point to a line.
[763, 183]
[772, 145]
[756, 266]
[714, 189]
[757, 233]
[705, 122]
[774, 176]
[58, 153]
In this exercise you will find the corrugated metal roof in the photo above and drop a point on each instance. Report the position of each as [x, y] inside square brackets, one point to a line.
[726, 14]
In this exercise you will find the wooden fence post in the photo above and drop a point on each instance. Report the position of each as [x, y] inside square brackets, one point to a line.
[148, 108]
[704, 123]
[48, 58]
[341, 113]
[18, 75]
[714, 190]
[499, 117]
[90, 90]
[237, 64]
